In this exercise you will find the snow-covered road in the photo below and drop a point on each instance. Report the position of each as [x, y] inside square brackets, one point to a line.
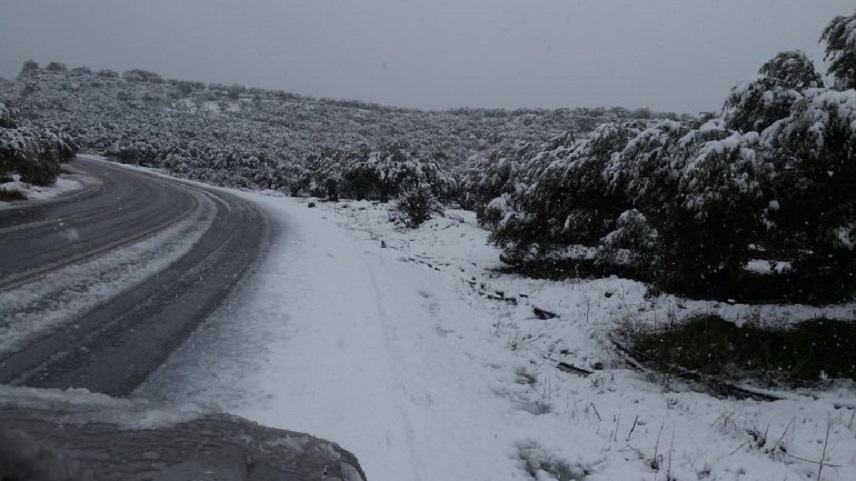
[98, 287]
[406, 366]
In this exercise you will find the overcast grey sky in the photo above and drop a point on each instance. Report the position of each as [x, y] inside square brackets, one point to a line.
[680, 55]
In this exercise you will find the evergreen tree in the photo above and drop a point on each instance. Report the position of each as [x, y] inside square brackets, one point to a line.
[840, 38]
[415, 205]
[56, 67]
[567, 202]
[812, 218]
[699, 185]
[756, 104]
[34, 154]
[29, 67]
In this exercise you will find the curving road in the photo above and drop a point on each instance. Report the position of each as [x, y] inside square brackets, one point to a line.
[114, 344]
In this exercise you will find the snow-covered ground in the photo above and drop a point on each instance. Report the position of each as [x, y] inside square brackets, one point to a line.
[65, 184]
[386, 342]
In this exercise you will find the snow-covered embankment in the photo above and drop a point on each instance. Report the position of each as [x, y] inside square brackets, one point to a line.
[392, 352]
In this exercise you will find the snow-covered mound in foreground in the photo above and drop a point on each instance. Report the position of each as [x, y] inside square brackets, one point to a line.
[76, 435]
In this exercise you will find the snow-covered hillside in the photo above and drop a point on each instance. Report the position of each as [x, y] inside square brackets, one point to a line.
[235, 136]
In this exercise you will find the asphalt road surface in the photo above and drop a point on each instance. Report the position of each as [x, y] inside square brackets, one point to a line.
[114, 346]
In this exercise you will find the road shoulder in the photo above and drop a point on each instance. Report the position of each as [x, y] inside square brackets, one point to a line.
[72, 183]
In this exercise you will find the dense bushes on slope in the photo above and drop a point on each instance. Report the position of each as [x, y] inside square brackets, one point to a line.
[247, 137]
[33, 153]
[567, 201]
[381, 174]
[812, 218]
[772, 175]
[487, 182]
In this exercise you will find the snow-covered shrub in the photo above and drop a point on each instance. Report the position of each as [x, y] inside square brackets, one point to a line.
[107, 74]
[710, 192]
[491, 214]
[137, 153]
[646, 170]
[322, 175]
[754, 105]
[33, 153]
[81, 71]
[144, 76]
[633, 242]
[840, 38]
[814, 151]
[56, 67]
[30, 66]
[700, 186]
[487, 181]
[685, 198]
[566, 201]
[776, 169]
[185, 87]
[415, 205]
[7, 117]
[380, 174]
[705, 230]
[235, 91]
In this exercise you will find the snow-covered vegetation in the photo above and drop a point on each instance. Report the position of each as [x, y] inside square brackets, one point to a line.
[381, 174]
[689, 203]
[840, 37]
[30, 154]
[236, 136]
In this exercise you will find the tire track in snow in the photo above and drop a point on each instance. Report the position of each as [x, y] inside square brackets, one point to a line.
[161, 254]
[64, 294]
[396, 358]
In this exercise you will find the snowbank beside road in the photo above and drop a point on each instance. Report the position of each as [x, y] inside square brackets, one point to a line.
[50, 434]
[396, 353]
[68, 183]
[80, 406]
[65, 185]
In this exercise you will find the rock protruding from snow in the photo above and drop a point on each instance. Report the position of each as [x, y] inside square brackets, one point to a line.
[57, 439]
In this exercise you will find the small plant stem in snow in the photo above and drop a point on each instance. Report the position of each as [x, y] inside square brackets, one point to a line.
[823, 454]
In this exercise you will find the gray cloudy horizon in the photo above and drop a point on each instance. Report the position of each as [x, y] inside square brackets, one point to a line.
[669, 55]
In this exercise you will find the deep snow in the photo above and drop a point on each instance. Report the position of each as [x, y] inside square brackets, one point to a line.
[393, 353]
